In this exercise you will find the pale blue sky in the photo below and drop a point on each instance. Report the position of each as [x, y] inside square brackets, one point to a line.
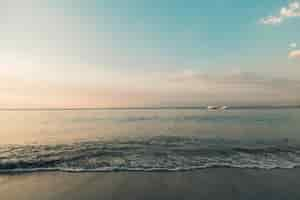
[202, 35]
[131, 47]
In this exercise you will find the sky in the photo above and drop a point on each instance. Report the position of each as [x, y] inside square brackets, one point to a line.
[134, 53]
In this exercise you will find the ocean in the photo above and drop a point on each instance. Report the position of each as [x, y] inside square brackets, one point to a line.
[103, 140]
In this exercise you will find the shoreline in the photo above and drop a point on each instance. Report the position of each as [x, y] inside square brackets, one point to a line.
[158, 170]
[210, 183]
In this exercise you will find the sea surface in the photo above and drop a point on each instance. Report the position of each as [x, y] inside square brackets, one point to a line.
[148, 139]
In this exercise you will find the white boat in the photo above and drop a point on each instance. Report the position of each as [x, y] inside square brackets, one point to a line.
[217, 107]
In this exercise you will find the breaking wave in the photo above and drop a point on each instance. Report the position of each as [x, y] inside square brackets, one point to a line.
[154, 154]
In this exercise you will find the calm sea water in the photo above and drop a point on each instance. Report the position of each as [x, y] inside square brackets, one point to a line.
[161, 139]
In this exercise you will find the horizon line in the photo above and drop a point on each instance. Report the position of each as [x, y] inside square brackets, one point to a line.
[150, 108]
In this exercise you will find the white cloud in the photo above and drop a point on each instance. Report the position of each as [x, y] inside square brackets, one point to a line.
[272, 20]
[294, 54]
[293, 45]
[292, 10]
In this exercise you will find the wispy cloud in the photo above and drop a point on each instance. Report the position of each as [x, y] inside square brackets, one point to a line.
[294, 54]
[271, 20]
[293, 45]
[292, 10]
[235, 79]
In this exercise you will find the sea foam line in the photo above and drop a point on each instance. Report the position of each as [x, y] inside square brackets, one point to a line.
[156, 169]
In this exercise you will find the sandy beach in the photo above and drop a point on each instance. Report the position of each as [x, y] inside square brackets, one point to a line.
[217, 183]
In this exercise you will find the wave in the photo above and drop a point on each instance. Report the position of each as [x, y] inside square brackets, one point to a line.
[154, 154]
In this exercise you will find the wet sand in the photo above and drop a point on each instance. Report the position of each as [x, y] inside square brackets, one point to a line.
[218, 183]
